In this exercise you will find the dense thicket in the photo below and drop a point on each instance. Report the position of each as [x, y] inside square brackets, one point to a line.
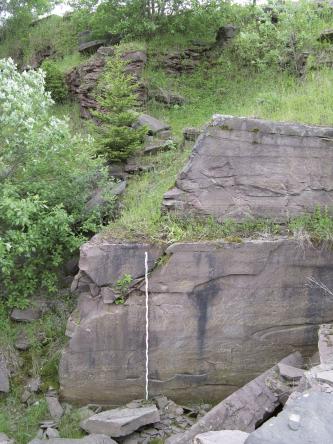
[46, 176]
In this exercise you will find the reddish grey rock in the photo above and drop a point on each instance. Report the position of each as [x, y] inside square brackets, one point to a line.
[122, 421]
[4, 376]
[245, 167]
[220, 314]
[26, 315]
[325, 345]
[155, 126]
[90, 47]
[5, 440]
[54, 406]
[307, 420]
[242, 410]
[221, 437]
[106, 261]
[290, 373]
[82, 79]
[91, 439]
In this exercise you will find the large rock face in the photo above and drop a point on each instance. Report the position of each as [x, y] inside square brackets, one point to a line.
[243, 167]
[220, 314]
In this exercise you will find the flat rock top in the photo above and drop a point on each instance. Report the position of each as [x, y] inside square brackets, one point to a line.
[91, 439]
[221, 437]
[121, 421]
[306, 420]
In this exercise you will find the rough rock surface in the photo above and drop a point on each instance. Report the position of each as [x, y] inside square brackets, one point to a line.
[5, 440]
[325, 345]
[221, 437]
[154, 125]
[122, 421]
[81, 81]
[245, 408]
[307, 420]
[245, 167]
[220, 314]
[54, 406]
[91, 439]
[26, 315]
[4, 376]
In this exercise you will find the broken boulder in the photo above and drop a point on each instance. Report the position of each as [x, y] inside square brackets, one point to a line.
[26, 315]
[154, 126]
[90, 47]
[306, 420]
[244, 168]
[54, 406]
[221, 437]
[122, 421]
[290, 373]
[5, 440]
[91, 439]
[4, 376]
[244, 409]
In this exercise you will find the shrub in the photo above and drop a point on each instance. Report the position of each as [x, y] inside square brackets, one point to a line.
[54, 82]
[46, 177]
[116, 138]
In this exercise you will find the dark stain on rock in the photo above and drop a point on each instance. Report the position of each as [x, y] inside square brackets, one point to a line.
[202, 297]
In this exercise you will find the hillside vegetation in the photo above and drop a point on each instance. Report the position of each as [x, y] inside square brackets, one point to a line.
[51, 160]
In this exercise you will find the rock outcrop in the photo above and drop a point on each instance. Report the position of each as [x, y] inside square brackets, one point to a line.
[220, 314]
[82, 80]
[246, 408]
[245, 167]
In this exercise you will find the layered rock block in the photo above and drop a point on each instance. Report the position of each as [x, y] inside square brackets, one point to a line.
[220, 314]
[249, 168]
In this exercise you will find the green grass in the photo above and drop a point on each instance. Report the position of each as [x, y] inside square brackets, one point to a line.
[222, 90]
[69, 61]
[270, 95]
[47, 341]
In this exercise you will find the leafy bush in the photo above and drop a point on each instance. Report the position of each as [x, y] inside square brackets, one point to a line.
[46, 176]
[54, 82]
[116, 137]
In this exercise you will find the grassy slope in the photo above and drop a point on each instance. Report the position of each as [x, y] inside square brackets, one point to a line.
[222, 89]
[276, 96]
[17, 420]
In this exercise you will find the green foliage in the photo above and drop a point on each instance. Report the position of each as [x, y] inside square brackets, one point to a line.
[47, 339]
[124, 283]
[69, 425]
[116, 138]
[318, 226]
[54, 82]
[34, 240]
[22, 41]
[42, 220]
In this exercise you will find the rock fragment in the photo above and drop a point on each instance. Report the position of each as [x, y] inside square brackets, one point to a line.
[221, 437]
[121, 421]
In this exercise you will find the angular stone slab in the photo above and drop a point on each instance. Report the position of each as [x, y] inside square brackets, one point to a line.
[4, 439]
[26, 315]
[4, 376]
[122, 421]
[307, 420]
[245, 167]
[325, 345]
[91, 439]
[221, 437]
[244, 409]
[220, 314]
[106, 261]
[290, 373]
[154, 125]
